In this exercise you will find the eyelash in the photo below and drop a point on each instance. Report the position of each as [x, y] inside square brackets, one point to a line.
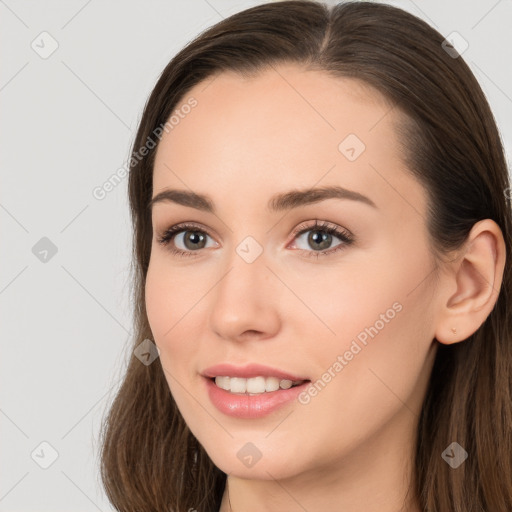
[345, 236]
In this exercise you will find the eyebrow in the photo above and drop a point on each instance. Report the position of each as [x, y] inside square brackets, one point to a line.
[283, 201]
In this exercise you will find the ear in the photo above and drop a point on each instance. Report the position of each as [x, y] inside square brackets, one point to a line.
[472, 283]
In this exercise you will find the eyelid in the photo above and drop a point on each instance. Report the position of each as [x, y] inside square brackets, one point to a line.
[344, 235]
[318, 224]
[176, 229]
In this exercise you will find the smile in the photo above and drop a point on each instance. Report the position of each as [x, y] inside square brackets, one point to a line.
[254, 385]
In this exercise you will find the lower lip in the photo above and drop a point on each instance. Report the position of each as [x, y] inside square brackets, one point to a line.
[251, 406]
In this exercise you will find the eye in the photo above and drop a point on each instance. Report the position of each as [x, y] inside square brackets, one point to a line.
[321, 236]
[194, 238]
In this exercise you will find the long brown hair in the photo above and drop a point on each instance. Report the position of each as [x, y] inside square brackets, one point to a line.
[150, 461]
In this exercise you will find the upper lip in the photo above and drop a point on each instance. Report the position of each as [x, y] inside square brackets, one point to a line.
[248, 371]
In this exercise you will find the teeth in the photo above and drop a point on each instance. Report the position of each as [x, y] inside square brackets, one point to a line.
[254, 385]
[223, 382]
[238, 385]
[271, 384]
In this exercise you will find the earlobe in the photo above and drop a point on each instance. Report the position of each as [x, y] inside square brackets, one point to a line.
[476, 276]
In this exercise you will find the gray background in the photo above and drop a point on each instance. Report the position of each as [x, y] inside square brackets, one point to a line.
[67, 124]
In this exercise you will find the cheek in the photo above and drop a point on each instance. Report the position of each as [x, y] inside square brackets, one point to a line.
[167, 303]
[177, 305]
[166, 308]
[378, 313]
[358, 300]
[378, 372]
[376, 360]
[159, 302]
[169, 295]
[384, 291]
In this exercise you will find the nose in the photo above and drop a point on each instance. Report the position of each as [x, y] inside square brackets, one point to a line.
[245, 303]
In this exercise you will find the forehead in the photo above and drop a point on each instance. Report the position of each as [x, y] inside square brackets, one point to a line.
[285, 127]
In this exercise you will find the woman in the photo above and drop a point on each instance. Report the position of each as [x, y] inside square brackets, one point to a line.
[320, 241]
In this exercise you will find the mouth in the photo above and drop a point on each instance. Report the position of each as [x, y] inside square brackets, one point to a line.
[254, 385]
[251, 391]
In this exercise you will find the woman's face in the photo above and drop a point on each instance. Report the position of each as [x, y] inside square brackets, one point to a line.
[356, 323]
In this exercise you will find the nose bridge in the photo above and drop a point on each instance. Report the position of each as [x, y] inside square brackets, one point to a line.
[247, 274]
[244, 298]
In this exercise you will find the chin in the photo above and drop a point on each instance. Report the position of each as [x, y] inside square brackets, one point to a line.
[273, 466]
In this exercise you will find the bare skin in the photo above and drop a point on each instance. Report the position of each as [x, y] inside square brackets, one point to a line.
[352, 443]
